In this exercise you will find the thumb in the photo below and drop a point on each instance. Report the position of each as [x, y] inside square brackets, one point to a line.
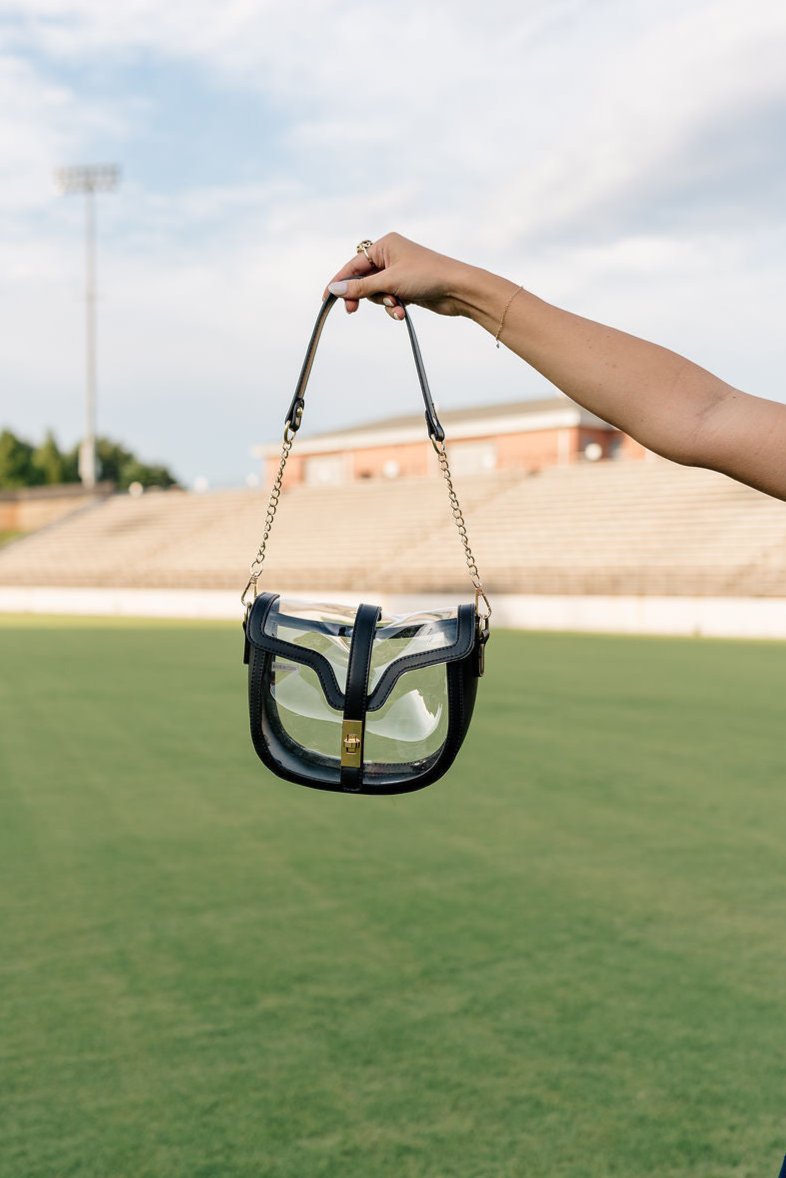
[357, 288]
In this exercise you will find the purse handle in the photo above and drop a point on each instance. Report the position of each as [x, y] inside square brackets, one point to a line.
[436, 436]
[295, 411]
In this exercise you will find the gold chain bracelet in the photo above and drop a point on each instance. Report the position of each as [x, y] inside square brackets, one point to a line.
[504, 313]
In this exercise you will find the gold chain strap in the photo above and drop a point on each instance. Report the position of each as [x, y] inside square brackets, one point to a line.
[272, 507]
[455, 507]
[458, 516]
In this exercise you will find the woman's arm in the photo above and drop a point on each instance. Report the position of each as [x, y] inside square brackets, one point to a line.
[666, 402]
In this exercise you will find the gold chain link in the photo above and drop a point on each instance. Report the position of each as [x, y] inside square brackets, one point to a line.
[272, 507]
[458, 516]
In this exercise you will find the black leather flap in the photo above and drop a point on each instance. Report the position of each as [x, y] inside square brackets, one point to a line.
[256, 636]
[255, 633]
[465, 637]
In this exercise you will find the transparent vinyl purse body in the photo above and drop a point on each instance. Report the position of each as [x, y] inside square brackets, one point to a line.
[386, 717]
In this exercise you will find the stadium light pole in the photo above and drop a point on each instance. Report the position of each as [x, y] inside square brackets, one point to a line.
[89, 179]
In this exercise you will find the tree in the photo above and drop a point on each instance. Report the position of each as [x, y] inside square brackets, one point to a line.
[120, 466]
[142, 472]
[22, 465]
[50, 462]
[16, 463]
[112, 458]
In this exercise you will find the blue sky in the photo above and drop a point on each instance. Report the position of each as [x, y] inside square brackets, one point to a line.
[626, 160]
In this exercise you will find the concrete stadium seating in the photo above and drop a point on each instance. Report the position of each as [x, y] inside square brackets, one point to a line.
[647, 528]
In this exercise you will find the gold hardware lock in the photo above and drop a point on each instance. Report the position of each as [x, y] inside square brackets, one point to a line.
[351, 743]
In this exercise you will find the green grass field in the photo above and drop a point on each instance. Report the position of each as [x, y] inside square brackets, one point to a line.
[565, 960]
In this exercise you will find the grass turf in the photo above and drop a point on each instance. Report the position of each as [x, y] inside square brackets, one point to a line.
[567, 959]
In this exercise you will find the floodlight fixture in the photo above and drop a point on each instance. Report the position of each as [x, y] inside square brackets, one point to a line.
[87, 180]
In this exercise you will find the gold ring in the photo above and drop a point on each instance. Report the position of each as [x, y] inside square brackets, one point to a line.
[363, 247]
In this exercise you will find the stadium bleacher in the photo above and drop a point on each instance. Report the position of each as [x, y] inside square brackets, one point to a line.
[643, 528]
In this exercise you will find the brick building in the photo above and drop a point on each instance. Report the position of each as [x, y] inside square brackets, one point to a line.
[520, 435]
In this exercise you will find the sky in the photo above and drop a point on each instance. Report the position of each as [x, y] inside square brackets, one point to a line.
[626, 160]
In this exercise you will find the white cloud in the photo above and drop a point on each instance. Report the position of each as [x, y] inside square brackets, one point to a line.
[34, 121]
[581, 147]
[638, 134]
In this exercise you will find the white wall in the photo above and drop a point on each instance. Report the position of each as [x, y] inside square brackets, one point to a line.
[732, 617]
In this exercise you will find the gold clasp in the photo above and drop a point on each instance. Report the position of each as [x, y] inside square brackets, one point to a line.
[351, 743]
[480, 595]
[252, 582]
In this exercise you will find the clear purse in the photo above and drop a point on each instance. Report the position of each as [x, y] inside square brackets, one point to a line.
[350, 699]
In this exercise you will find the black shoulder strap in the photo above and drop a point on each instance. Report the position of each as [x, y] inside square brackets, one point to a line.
[356, 696]
[295, 411]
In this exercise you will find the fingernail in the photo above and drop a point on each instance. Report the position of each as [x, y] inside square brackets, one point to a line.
[388, 301]
[338, 288]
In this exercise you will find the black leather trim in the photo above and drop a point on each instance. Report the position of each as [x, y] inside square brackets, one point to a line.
[259, 610]
[363, 634]
[297, 404]
[256, 636]
[281, 755]
[410, 662]
[284, 757]
[274, 747]
[272, 744]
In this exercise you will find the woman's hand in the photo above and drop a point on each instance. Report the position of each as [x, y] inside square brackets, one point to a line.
[400, 271]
